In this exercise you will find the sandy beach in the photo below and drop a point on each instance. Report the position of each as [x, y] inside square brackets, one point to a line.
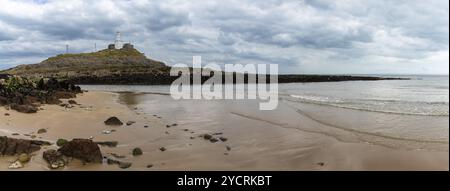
[251, 143]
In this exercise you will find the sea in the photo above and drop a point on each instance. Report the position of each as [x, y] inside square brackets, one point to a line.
[406, 114]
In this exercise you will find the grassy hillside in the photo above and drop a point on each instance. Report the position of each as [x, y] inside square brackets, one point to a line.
[102, 63]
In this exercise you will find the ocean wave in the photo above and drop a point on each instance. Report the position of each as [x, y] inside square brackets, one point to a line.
[369, 133]
[399, 107]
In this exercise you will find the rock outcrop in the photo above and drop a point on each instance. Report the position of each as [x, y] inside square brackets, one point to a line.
[55, 159]
[12, 146]
[83, 149]
[25, 95]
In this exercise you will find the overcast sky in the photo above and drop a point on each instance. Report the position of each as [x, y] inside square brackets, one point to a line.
[302, 36]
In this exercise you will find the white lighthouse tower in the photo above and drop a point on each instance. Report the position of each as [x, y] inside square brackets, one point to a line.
[118, 41]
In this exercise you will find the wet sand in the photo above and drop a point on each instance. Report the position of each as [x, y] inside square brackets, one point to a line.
[291, 143]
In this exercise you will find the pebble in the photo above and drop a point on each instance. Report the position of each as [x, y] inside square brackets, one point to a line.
[207, 136]
[40, 131]
[213, 140]
[130, 123]
[137, 151]
[223, 139]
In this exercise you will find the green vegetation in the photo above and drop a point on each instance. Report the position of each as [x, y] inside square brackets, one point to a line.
[103, 54]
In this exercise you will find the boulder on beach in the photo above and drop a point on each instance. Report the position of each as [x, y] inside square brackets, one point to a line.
[55, 159]
[84, 149]
[11, 146]
[113, 121]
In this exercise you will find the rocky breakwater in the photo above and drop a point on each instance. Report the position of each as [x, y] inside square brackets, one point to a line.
[25, 95]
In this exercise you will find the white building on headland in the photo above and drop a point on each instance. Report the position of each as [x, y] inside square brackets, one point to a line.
[119, 43]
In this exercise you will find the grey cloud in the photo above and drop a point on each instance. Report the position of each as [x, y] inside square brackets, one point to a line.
[319, 33]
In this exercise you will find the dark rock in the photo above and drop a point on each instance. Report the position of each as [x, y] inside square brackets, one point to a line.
[223, 139]
[113, 121]
[174, 125]
[55, 159]
[228, 148]
[130, 123]
[125, 165]
[150, 166]
[11, 146]
[213, 140]
[73, 102]
[41, 131]
[6, 114]
[15, 134]
[162, 149]
[24, 108]
[108, 143]
[84, 149]
[207, 136]
[321, 163]
[137, 151]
